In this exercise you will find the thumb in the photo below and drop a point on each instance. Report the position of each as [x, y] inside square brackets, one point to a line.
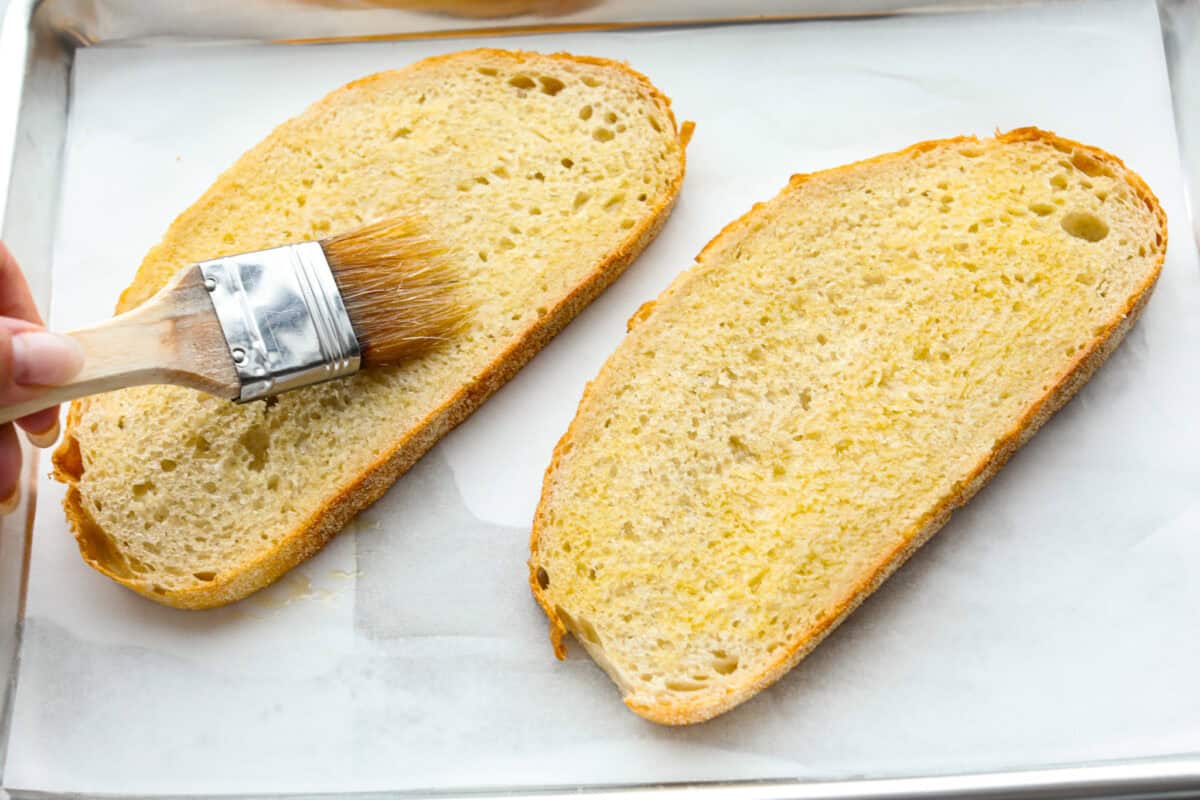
[41, 358]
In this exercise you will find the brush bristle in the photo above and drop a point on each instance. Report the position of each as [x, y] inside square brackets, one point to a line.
[398, 288]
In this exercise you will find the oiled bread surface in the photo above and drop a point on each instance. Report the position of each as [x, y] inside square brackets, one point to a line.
[802, 408]
[545, 175]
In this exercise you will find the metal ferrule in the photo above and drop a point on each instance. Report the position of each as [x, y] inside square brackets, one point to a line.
[283, 318]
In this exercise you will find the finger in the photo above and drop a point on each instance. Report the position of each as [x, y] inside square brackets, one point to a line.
[31, 360]
[10, 468]
[41, 358]
[15, 326]
[41, 427]
[15, 297]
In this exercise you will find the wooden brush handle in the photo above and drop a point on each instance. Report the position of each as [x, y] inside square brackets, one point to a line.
[173, 337]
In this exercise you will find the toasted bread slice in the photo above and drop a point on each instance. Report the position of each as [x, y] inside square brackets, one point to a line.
[546, 175]
[798, 412]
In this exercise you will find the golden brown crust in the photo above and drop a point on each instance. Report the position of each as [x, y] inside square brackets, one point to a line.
[308, 538]
[1089, 359]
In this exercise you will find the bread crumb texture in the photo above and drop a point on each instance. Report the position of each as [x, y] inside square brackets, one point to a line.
[545, 175]
[805, 405]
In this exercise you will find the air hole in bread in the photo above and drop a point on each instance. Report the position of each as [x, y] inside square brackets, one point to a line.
[568, 163]
[1042, 209]
[1085, 225]
[521, 82]
[723, 663]
[204, 576]
[550, 85]
[585, 113]
[602, 135]
[543, 578]
[257, 442]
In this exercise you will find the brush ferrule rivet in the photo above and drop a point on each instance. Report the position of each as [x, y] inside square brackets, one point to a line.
[283, 318]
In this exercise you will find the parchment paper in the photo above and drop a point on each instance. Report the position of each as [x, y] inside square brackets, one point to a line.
[1053, 620]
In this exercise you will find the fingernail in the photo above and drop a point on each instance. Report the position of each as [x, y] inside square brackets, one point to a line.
[9, 504]
[45, 438]
[42, 358]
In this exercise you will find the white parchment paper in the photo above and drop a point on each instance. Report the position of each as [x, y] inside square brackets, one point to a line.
[1054, 620]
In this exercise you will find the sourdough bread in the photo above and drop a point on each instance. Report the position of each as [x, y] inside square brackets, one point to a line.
[545, 175]
[805, 406]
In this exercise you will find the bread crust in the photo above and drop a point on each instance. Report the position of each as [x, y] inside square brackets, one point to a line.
[369, 485]
[706, 705]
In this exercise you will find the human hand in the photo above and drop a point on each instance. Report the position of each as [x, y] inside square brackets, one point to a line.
[30, 358]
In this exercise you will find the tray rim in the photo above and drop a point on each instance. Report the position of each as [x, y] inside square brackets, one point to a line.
[24, 27]
[1167, 777]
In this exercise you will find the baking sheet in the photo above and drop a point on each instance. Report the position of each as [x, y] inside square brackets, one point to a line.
[1054, 620]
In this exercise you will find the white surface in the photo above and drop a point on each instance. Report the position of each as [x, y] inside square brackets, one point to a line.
[1052, 621]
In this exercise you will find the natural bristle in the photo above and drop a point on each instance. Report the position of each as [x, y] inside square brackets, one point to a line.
[398, 287]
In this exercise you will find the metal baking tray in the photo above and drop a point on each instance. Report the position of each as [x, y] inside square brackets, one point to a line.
[114, 114]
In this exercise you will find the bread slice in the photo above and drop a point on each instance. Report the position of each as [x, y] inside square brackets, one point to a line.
[804, 407]
[546, 175]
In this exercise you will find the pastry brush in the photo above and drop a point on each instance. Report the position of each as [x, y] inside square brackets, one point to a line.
[253, 325]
